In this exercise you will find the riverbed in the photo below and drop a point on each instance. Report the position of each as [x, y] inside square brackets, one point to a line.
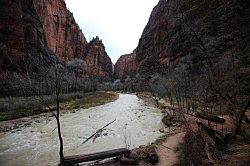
[136, 123]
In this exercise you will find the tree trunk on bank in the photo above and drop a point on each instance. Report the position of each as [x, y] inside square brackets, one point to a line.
[220, 140]
[75, 159]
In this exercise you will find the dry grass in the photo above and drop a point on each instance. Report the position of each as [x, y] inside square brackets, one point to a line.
[238, 153]
[14, 108]
[89, 100]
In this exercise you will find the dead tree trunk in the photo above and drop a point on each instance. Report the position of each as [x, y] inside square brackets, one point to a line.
[57, 86]
[220, 140]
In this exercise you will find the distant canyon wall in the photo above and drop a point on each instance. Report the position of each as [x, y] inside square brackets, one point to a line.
[97, 59]
[125, 66]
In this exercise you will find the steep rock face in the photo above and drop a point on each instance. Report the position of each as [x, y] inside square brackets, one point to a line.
[223, 27]
[63, 35]
[21, 36]
[97, 60]
[126, 65]
[40, 29]
[67, 41]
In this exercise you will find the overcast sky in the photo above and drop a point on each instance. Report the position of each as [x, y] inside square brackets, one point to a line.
[119, 23]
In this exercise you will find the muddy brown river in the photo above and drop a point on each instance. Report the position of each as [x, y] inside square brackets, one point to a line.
[137, 123]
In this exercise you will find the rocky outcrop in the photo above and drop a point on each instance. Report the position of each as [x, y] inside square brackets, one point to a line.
[176, 29]
[126, 65]
[67, 41]
[97, 60]
[38, 30]
[22, 37]
[63, 35]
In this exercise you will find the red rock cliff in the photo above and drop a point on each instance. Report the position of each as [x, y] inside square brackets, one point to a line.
[63, 35]
[21, 36]
[97, 60]
[223, 27]
[126, 65]
[34, 27]
[67, 41]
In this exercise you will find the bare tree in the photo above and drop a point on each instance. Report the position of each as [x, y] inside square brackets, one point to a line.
[77, 66]
[219, 82]
[53, 75]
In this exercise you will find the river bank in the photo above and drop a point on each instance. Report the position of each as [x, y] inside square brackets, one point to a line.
[163, 151]
[186, 145]
[19, 107]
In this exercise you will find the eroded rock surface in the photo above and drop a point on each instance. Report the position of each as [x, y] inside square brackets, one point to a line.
[22, 36]
[63, 35]
[126, 65]
[35, 29]
[223, 27]
[97, 59]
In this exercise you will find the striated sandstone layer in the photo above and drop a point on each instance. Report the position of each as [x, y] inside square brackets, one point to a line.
[126, 65]
[223, 27]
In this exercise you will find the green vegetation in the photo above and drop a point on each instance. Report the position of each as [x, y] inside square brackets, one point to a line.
[27, 106]
[8, 115]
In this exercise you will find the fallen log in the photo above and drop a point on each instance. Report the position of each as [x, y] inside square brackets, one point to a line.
[219, 140]
[69, 160]
[212, 118]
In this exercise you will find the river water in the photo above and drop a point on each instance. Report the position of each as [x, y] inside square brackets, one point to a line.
[137, 123]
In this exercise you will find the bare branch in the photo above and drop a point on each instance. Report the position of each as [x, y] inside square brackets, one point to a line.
[98, 131]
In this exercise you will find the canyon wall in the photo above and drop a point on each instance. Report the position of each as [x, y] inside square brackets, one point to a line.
[67, 41]
[183, 28]
[63, 35]
[97, 60]
[21, 36]
[126, 65]
[44, 28]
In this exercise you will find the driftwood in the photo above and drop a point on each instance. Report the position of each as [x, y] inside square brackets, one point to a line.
[70, 160]
[211, 118]
[98, 131]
